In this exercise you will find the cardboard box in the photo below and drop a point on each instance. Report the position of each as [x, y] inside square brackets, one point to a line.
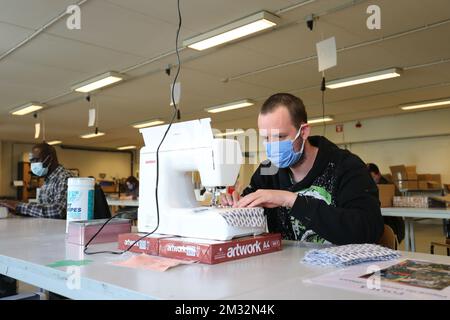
[80, 232]
[399, 173]
[418, 202]
[212, 252]
[423, 185]
[386, 194]
[148, 245]
[407, 184]
[411, 172]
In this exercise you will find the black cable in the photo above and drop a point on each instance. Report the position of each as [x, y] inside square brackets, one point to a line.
[176, 113]
[323, 88]
[99, 230]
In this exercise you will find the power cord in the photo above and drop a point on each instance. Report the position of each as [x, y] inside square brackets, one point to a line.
[176, 114]
[323, 88]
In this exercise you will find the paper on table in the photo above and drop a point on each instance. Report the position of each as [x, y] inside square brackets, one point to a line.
[147, 262]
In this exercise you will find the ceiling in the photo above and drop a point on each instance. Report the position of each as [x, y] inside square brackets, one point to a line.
[118, 34]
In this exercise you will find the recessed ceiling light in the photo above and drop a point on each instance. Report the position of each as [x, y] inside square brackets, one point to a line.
[98, 82]
[126, 148]
[320, 120]
[232, 31]
[55, 142]
[148, 123]
[230, 106]
[365, 78]
[27, 108]
[92, 135]
[426, 104]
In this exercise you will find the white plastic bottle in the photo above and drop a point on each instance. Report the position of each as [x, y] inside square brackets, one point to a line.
[80, 199]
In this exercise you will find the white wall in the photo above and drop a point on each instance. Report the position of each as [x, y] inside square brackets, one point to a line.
[414, 138]
[89, 163]
[418, 138]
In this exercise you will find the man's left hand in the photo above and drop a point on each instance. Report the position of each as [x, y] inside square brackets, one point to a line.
[10, 204]
[268, 199]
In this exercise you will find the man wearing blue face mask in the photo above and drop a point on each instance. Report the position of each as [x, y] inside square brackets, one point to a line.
[311, 190]
[52, 201]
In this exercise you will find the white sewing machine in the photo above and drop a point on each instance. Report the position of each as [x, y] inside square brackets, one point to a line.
[190, 146]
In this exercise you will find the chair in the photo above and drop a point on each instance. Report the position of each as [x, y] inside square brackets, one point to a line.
[388, 239]
[447, 240]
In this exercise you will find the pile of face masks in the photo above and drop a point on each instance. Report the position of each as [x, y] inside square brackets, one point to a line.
[351, 254]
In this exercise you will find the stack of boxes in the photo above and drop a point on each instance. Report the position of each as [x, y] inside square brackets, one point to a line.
[406, 178]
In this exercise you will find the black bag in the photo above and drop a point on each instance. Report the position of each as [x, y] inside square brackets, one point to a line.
[8, 286]
[101, 207]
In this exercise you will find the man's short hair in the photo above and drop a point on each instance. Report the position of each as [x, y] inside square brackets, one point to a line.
[46, 150]
[293, 104]
[372, 167]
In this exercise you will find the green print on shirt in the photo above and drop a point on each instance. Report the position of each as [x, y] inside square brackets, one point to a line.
[309, 235]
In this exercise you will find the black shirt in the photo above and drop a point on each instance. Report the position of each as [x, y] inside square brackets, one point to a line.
[337, 202]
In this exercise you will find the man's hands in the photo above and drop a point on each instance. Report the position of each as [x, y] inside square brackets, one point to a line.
[260, 198]
[10, 204]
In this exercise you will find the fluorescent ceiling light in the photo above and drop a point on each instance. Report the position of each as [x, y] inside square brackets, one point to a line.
[149, 123]
[92, 135]
[320, 120]
[26, 109]
[365, 78]
[426, 104]
[55, 142]
[126, 148]
[230, 106]
[232, 31]
[98, 82]
[230, 133]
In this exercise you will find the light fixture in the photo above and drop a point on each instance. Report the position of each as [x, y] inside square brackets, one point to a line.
[92, 135]
[98, 82]
[126, 148]
[232, 31]
[365, 78]
[149, 123]
[27, 108]
[54, 142]
[320, 120]
[229, 133]
[230, 106]
[426, 104]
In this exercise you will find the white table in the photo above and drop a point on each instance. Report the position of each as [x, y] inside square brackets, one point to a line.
[409, 214]
[28, 245]
[125, 203]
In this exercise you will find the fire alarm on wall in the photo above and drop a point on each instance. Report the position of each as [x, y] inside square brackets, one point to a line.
[358, 124]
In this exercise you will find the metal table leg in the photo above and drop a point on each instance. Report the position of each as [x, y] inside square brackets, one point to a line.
[407, 238]
[412, 236]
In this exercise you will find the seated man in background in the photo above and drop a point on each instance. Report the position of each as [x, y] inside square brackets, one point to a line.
[52, 201]
[311, 190]
[376, 175]
[396, 223]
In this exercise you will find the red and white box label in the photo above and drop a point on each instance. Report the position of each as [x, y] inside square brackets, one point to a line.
[147, 245]
[212, 252]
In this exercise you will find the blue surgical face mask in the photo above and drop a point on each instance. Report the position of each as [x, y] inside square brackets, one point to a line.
[282, 154]
[38, 168]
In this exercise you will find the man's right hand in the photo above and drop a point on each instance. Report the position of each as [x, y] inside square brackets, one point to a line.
[227, 199]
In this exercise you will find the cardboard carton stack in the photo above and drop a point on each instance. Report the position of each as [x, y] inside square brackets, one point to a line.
[406, 178]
